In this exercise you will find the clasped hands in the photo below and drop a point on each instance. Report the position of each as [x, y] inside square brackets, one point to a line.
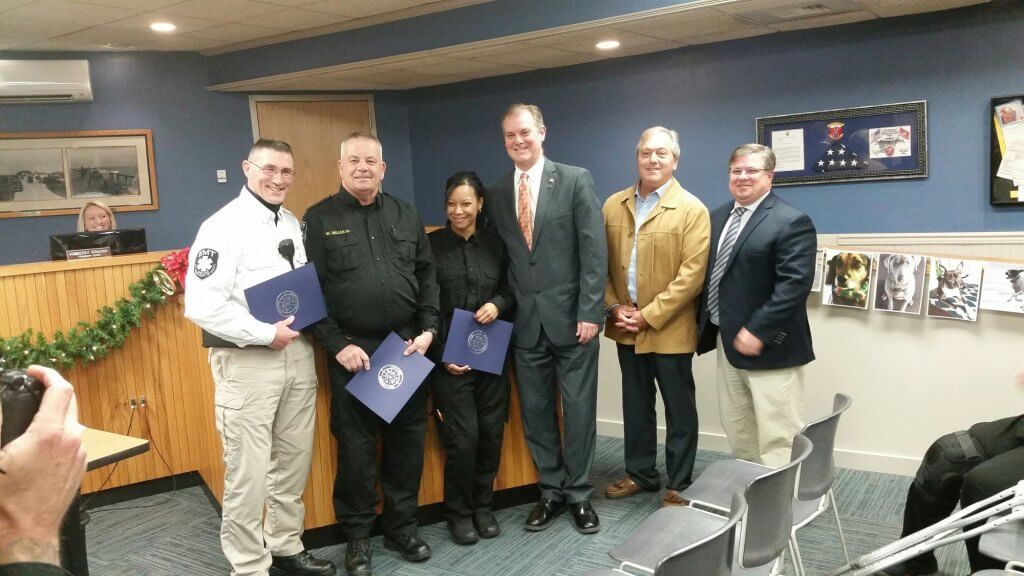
[629, 318]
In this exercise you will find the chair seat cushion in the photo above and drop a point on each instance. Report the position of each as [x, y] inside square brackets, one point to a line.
[602, 572]
[667, 530]
[1005, 542]
[721, 480]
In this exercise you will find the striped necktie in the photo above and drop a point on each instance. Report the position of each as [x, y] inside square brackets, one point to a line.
[525, 211]
[723, 260]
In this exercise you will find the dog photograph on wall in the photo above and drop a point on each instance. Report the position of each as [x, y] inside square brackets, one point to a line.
[954, 288]
[847, 279]
[1002, 289]
[899, 283]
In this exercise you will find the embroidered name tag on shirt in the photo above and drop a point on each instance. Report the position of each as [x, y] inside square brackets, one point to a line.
[336, 232]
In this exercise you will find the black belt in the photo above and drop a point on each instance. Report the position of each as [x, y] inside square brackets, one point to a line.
[211, 341]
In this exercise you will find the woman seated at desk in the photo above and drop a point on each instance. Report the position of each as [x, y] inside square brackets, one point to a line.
[96, 217]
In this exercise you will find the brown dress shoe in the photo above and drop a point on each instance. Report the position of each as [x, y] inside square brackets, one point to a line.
[623, 488]
[673, 498]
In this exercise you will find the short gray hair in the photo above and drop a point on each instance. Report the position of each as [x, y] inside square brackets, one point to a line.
[753, 149]
[673, 136]
[360, 135]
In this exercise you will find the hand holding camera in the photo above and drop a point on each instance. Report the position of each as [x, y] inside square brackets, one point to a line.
[42, 461]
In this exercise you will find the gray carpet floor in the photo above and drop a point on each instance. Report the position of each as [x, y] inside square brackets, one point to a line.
[173, 536]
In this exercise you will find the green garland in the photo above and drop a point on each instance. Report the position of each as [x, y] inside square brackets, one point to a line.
[86, 342]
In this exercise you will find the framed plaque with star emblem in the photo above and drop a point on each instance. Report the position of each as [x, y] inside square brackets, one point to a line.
[1006, 176]
[866, 143]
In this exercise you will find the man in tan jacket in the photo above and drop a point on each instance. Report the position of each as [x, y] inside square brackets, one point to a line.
[658, 239]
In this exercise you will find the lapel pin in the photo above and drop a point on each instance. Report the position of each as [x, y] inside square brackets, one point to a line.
[551, 183]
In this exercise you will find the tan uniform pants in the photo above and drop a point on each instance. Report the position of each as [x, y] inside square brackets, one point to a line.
[760, 410]
[265, 413]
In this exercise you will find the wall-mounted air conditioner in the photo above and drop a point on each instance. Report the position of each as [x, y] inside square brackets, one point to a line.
[34, 81]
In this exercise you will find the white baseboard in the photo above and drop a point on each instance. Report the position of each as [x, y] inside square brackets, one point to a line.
[857, 460]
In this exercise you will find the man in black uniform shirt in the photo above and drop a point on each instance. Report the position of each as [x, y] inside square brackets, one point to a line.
[968, 466]
[373, 259]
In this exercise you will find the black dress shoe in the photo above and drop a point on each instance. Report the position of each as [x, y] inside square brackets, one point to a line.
[409, 545]
[584, 519]
[542, 514]
[485, 523]
[357, 557]
[462, 531]
[302, 564]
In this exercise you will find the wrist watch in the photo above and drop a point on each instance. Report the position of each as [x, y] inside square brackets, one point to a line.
[432, 330]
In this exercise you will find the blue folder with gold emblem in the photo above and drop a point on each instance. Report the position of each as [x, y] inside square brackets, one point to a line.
[479, 346]
[294, 293]
[392, 378]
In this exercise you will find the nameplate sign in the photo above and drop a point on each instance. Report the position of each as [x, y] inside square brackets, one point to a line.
[88, 253]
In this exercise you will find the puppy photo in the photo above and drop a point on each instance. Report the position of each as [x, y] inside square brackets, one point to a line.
[1003, 288]
[847, 279]
[954, 289]
[900, 283]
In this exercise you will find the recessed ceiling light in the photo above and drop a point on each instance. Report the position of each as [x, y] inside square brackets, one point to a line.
[607, 45]
[163, 27]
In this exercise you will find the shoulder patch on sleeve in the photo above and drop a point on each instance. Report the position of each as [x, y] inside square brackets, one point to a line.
[206, 263]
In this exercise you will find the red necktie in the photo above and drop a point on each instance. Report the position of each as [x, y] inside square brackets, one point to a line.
[525, 213]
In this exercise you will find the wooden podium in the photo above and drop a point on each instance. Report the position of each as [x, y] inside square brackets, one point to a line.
[101, 448]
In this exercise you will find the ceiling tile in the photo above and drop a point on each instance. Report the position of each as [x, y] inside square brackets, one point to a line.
[180, 43]
[142, 22]
[731, 35]
[291, 19]
[99, 36]
[682, 31]
[8, 4]
[137, 4]
[361, 8]
[585, 40]
[67, 11]
[822, 21]
[291, 3]
[35, 29]
[232, 32]
[459, 67]
[221, 10]
[888, 8]
[386, 78]
[522, 54]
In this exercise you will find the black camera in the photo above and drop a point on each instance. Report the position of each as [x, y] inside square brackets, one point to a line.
[20, 395]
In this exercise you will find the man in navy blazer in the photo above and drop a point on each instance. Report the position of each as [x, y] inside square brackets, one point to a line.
[753, 309]
[550, 220]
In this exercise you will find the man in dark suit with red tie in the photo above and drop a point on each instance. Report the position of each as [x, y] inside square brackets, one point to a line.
[753, 309]
[550, 220]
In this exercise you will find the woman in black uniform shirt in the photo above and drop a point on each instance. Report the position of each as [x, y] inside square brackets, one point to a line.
[470, 406]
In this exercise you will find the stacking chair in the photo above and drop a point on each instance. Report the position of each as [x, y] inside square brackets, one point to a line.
[713, 488]
[1005, 541]
[763, 534]
[710, 556]
[1012, 569]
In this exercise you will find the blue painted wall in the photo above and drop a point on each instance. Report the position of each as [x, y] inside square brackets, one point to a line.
[957, 61]
[195, 132]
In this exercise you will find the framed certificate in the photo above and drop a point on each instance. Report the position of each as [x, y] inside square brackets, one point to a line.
[1006, 176]
[867, 143]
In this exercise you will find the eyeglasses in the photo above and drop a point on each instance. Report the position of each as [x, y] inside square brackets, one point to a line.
[747, 171]
[286, 173]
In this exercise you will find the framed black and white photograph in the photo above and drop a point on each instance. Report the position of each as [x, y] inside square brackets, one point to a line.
[867, 143]
[48, 173]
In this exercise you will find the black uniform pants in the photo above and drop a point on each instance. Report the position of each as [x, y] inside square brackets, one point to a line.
[947, 476]
[674, 376]
[471, 410]
[356, 428]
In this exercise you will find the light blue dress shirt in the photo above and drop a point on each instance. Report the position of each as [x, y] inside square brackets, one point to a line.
[643, 209]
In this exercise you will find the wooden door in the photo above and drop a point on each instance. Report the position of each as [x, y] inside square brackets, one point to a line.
[314, 128]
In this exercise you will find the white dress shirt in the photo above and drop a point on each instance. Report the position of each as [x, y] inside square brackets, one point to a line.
[534, 174]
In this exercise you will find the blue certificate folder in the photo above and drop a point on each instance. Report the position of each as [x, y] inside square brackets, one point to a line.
[480, 346]
[295, 293]
[392, 378]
